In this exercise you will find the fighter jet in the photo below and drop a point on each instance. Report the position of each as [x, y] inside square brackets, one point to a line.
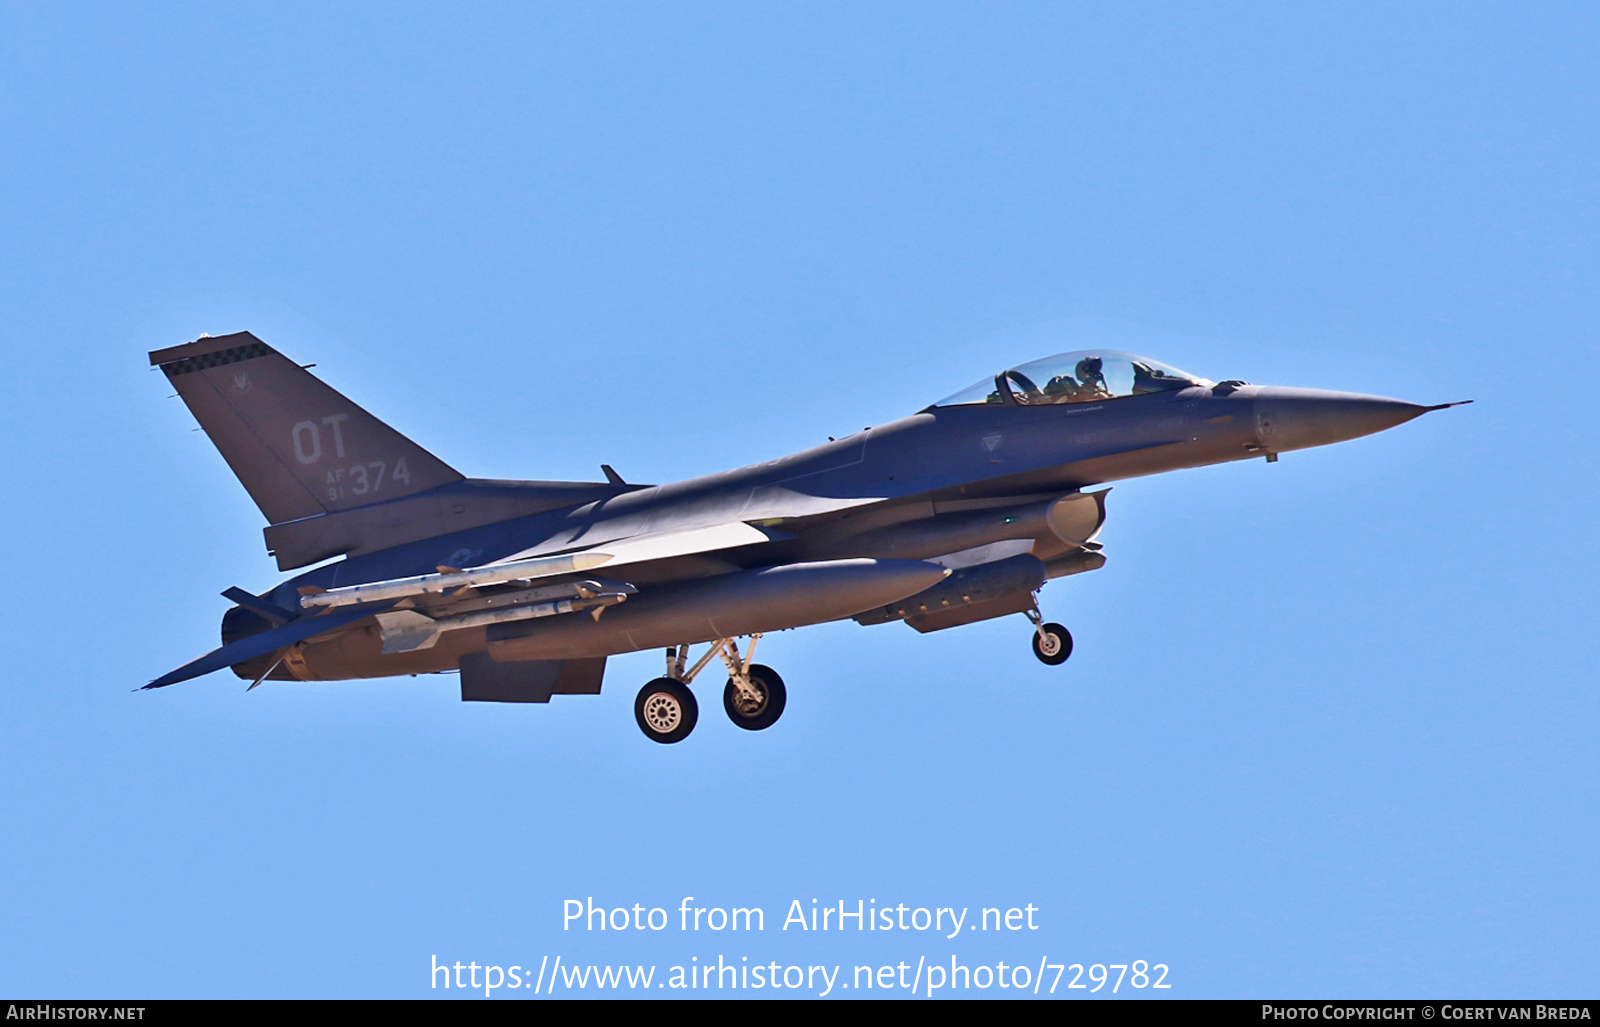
[959, 513]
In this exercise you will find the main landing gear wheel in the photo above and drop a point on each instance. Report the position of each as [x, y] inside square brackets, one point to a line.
[666, 710]
[1052, 643]
[755, 713]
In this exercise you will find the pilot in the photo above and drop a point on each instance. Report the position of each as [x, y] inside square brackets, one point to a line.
[1092, 376]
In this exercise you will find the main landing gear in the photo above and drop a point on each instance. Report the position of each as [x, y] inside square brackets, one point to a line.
[754, 696]
[756, 703]
[1052, 643]
[666, 710]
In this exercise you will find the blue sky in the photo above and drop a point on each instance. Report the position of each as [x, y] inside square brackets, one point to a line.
[1330, 726]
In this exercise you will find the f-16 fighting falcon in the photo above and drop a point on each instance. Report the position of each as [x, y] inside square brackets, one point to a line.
[958, 513]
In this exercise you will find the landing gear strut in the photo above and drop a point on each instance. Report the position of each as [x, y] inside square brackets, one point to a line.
[759, 703]
[1052, 643]
[754, 696]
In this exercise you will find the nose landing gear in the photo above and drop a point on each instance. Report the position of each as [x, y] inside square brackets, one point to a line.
[1052, 643]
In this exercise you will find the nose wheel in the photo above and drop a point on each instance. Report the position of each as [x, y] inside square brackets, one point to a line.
[1052, 643]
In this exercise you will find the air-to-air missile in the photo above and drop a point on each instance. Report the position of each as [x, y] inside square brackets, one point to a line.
[956, 514]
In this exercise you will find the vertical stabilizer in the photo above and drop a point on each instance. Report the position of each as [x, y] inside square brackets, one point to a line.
[298, 447]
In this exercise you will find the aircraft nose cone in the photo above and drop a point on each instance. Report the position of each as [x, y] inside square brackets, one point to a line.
[1300, 418]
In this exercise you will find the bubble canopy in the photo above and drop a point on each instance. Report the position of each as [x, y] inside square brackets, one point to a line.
[1082, 376]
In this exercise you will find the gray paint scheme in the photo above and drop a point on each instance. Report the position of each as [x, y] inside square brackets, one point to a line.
[300, 448]
[484, 679]
[867, 526]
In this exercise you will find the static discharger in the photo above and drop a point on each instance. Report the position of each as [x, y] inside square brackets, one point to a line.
[423, 584]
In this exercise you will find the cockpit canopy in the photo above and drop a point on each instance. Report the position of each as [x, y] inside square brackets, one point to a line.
[1082, 376]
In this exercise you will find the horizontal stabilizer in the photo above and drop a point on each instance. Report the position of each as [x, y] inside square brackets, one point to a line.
[265, 642]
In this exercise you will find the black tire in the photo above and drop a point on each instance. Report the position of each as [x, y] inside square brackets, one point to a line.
[1055, 645]
[773, 698]
[666, 711]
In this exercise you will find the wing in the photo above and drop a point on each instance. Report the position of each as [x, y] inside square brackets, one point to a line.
[661, 545]
[405, 630]
[524, 567]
